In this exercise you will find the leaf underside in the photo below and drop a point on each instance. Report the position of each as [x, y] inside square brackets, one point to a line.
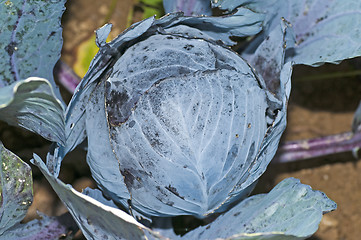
[32, 104]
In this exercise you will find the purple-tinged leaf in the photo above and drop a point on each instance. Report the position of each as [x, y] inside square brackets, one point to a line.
[46, 228]
[16, 189]
[268, 59]
[96, 220]
[66, 76]
[188, 7]
[30, 40]
[30, 44]
[325, 30]
[16, 195]
[290, 211]
[32, 104]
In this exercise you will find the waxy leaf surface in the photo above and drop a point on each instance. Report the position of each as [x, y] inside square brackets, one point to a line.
[46, 228]
[16, 189]
[32, 104]
[269, 57]
[324, 30]
[95, 219]
[163, 96]
[189, 7]
[30, 40]
[290, 211]
[194, 108]
[242, 23]
[16, 195]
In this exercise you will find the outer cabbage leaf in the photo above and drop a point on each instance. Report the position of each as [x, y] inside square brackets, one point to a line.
[16, 193]
[189, 7]
[30, 40]
[75, 120]
[325, 30]
[290, 211]
[103, 164]
[96, 220]
[46, 228]
[99, 196]
[263, 6]
[268, 59]
[32, 104]
[241, 23]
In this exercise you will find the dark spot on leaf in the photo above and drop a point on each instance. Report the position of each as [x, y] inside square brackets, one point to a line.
[51, 35]
[115, 101]
[20, 13]
[236, 214]
[10, 48]
[188, 47]
[154, 142]
[128, 178]
[174, 191]
[319, 19]
[131, 124]
[270, 71]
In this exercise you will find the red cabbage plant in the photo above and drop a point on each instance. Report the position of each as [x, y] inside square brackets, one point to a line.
[176, 122]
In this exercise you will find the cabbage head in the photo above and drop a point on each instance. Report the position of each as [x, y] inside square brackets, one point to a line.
[176, 122]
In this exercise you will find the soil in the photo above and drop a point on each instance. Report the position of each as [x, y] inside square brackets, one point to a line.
[316, 108]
